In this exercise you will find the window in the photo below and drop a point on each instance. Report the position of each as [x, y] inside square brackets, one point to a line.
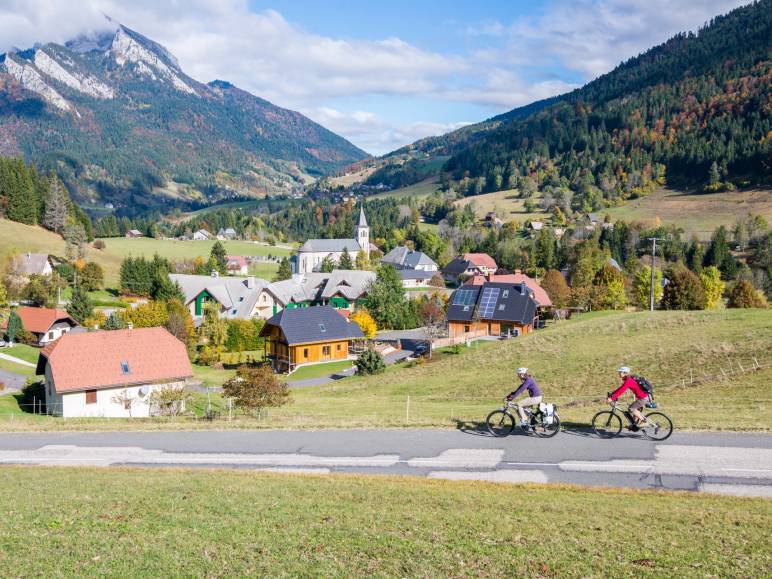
[338, 347]
[326, 351]
[235, 312]
[466, 329]
[501, 307]
[90, 396]
[124, 367]
[50, 335]
[322, 328]
[505, 294]
[305, 353]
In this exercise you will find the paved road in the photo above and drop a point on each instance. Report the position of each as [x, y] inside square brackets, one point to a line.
[13, 381]
[724, 463]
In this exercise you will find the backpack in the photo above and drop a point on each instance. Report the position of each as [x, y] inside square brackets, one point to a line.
[645, 385]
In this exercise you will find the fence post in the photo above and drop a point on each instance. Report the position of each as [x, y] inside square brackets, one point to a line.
[691, 376]
[741, 367]
[756, 363]
[407, 409]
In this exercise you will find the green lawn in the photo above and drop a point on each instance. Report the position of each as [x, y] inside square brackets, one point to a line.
[22, 369]
[421, 189]
[319, 370]
[23, 352]
[164, 523]
[507, 204]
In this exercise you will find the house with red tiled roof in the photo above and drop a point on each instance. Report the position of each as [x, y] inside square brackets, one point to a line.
[539, 294]
[112, 374]
[469, 265]
[46, 324]
[237, 265]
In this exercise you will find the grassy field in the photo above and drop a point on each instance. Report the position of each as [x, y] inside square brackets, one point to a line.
[507, 205]
[318, 370]
[697, 214]
[135, 522]
[23, 352]
[421, 189]
[685, 355]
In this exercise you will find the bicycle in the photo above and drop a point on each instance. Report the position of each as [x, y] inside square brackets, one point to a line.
[655, 425]
[502, 422]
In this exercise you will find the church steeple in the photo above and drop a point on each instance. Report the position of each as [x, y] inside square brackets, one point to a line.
[363, 231]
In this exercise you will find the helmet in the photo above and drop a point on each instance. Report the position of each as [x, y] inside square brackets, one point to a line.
[522, 370]
[624, 369]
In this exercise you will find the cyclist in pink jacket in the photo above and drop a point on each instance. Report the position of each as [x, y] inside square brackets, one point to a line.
[629, 383]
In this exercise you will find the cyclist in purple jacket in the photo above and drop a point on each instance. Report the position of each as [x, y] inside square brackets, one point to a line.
[534, 394]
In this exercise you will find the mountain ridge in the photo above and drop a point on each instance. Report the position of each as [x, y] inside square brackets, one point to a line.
[121, 122]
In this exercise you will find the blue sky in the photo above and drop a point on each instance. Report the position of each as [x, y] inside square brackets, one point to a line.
[382, 74]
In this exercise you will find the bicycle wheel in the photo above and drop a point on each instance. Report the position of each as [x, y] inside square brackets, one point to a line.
[606, 424]
[543, 430]
[500, 423]
[658, 426]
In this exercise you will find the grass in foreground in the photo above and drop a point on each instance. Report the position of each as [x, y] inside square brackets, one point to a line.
[319, 370]
[23, 352]
[133, 522]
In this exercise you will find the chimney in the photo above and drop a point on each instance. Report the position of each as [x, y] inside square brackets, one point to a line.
[215, 273]
[250, 282]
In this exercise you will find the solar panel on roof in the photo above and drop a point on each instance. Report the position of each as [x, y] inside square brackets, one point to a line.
[464, 297]
[488, 302]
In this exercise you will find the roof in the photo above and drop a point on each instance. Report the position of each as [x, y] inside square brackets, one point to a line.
[539, 293]
[236, 261]
[614, 263]
[314, 324]
[417, 274]
[407, 258]
[501, 302]
[299, 288]
[331, 246]
[458, 266]
[351, 284]
[362, 219]
[481, 260]
[536, 225]
[40, 320]
[230, 291]
[94, 360]
[30, 263]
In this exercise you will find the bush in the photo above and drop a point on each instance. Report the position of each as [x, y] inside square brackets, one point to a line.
[254, 388]
[99, 244]
[683, 292]
[744, 295]
[370, 362]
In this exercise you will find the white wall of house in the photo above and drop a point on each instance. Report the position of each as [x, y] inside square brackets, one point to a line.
[310, 261]
[54, 333]
[264, 307]
[407, 283]
[73, 404]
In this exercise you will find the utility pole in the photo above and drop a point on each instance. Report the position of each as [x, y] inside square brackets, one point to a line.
[651, 282]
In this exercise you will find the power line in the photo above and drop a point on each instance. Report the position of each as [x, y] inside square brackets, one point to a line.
[654, 241]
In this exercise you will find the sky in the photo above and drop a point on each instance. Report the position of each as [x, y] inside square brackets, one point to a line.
[381, 74]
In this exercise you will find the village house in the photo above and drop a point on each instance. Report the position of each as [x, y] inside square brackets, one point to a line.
[416, 278]
[236, 296]
[468, 265]
[227, 233]
[539, 294]
[27, 264]
[491, 309]
[402, 257]
[45, 324]
[314, 251]
[300, 336]
[132, 233]
[111, 374]
[237, 265]
[201, 235]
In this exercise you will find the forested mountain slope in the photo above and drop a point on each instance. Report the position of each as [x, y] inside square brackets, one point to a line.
[119, 120]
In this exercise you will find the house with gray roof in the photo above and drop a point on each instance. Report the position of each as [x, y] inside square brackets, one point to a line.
[416, 277]
[27, 264]
[314, 251]
[492, 309]
[237, 297]
[303, 336]
[344, 288]
[405, 258]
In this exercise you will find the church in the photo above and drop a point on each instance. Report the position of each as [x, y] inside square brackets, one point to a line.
[312, 252]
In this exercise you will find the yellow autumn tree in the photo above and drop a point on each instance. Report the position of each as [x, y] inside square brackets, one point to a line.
[365, 321]
[710, 277]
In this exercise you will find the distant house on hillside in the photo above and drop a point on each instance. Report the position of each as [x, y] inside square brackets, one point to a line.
[314, 251]
[237, 265]
[308, 336]
[227, 234]
[201, 235]
[27, 264]
[133, 233]
[412, 278]
[491, 309]
[45, 324]
[404, 258]
[111, 374]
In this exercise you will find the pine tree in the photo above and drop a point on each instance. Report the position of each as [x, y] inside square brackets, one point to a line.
[80, 306]
[285, 270]
[56, 206]
[14, 327]
[345, 260]
[719, 254]
[328, 264]
[219, 257]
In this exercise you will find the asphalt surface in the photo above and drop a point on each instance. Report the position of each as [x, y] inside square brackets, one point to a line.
[739, 464]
